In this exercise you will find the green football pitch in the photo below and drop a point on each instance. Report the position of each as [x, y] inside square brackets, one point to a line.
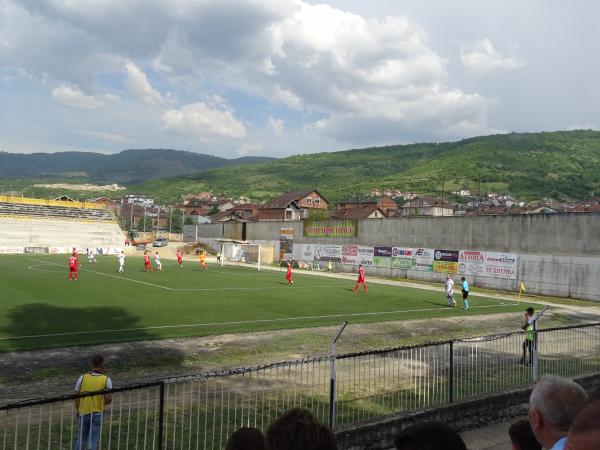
[41, 308]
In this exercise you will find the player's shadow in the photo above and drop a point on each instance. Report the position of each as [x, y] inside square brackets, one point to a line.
[112, 331]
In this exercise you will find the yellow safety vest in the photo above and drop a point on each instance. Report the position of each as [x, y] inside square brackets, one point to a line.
[94, 403]
[529, 332]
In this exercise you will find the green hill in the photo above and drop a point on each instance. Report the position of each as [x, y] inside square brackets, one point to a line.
[128, 166]
[558, 165]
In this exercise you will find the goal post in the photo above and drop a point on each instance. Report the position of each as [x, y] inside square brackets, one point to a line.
[248, 255]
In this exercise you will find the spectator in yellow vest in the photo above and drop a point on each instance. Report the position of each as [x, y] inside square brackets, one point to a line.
[90, 409]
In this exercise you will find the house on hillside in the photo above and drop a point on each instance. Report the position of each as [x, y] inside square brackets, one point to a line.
[227, 216]
[64, 198]
[292, 205]
[206, 207]
[102, 201]
[247, 211]
[387, 205]
[137, 198]
[365, 211]
[427, 206]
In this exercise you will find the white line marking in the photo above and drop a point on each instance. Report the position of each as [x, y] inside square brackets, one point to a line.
[282, 286]
[110, 275]
[241, 322]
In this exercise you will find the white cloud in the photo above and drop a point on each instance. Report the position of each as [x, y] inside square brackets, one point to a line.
[483, 57]
[204, 121]
[137, 83]
[371, 80]
[277, 125]
[110, 137]
[72, 96]
[584, 126]
[250, 149]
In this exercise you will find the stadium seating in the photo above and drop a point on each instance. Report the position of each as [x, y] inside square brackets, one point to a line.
[57, 226]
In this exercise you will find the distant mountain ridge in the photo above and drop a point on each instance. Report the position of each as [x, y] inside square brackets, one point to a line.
[558, 165]
[126, 167]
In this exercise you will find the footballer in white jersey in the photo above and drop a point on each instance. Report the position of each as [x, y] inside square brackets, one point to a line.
[121, 262]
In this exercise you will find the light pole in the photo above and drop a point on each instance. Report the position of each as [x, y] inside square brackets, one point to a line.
[144, 220]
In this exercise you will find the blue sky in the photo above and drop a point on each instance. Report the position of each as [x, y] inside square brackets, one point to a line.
[280, 77]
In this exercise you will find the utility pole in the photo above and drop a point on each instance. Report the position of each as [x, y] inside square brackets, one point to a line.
[443, 186]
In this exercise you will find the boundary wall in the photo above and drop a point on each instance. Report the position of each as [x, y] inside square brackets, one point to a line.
[44, 202]
[558, 254]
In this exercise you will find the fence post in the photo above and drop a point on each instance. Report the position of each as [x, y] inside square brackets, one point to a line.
[333, 376]
[161, 415]
[451, 374]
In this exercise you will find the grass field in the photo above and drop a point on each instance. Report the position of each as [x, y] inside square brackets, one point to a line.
[41, 308]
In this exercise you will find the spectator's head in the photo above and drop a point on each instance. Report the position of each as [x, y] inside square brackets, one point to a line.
[447, 276]
[522, 437]
[553, 404]
[246, 439]
[98, 362]
[297, 429]
[584, 433]
[530, 311]
[462, 278]
[429, 436]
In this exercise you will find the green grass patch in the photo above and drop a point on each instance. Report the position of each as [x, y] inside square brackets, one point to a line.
[41, 308]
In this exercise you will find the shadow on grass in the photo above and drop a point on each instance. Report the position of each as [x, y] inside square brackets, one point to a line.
[37, 326]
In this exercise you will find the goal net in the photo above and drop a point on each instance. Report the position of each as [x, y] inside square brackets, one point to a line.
[249, 255]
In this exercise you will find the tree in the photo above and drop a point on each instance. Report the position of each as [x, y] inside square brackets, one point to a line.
[174, 221]
[149, 224]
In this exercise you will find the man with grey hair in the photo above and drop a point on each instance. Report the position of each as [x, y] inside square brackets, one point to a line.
[553, 404]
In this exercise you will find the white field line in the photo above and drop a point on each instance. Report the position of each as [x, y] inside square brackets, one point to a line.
[108, 275]
[49, 263]
[243, 322]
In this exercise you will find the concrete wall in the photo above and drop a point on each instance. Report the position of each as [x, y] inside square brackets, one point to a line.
[559, 254]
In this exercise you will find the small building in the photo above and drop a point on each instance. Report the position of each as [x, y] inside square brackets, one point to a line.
[386, 204]
[137, 199]
[302, 201]
[276, 211]
[102, 201]
[368, 211]
[64, 198]
[248, 211]
[427, 206]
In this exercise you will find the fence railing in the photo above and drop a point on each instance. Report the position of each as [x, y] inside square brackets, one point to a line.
[201, 411]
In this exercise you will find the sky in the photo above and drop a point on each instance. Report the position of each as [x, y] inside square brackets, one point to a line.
[279, 77]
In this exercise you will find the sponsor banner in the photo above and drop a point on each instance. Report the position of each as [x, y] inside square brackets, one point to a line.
[328, 253]
[308, 252]
[382, 251]
[6, 250]
[286, 243]
[59, 250]
[352, 254]
[446, 255]
[471, 263]
[286, 233]
[501, 265]
[327, 228]
[401, 258]
[36, 250]
[382, 257]
[445, 266]
[422, 259]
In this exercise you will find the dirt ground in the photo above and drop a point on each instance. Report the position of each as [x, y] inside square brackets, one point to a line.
[54, 371]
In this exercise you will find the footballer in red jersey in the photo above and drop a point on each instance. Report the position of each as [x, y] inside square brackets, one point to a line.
[147, 265]
[289, 276]
[179, 258]
[73, 263]
[361, 279]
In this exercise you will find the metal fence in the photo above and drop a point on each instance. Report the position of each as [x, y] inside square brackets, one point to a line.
[201, 411]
